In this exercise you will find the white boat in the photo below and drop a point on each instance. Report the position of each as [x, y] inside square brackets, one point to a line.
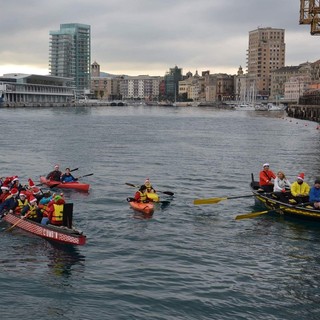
[273, 107]
[261, 107]
[244, 107]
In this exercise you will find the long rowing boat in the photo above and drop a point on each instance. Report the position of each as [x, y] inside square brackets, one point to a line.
[67, 185]
[302, 211]
[58, 234]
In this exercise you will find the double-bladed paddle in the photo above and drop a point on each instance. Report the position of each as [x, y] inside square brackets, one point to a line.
[169, 193]
[86, 175]
[216, 200]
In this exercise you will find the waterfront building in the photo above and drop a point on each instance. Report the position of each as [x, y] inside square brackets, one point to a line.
[141, 87]
[266, 53]
[172, 78]
[104, 87]
[280, 76]
[31, 90]
[295, 87]
[70, 55]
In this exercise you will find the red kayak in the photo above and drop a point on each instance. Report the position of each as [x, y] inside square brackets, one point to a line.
[66, 185]
[58, 234]
[146, 208]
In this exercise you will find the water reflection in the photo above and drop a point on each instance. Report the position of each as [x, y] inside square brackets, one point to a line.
[63, 258]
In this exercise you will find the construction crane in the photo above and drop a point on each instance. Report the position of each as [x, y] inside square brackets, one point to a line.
[310, 14]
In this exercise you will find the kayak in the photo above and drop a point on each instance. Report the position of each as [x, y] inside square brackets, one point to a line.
[66, 185]
[146, 208]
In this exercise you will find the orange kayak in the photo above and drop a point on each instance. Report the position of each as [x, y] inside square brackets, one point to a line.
[147, 208]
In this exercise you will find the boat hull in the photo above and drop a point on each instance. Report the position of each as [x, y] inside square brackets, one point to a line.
[146, 208]
[49, 232]
[301, 211]
[67, 185]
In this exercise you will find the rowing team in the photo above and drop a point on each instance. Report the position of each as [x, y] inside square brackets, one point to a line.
[280, 187]
[30, 202]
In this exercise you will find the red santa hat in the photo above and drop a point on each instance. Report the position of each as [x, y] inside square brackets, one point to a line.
[14, 191]
[301, 176]
[147, 181]
[32, 199]
[35, 190]
[15, 178]
[4, 187]
[31, 183]
[22, 193]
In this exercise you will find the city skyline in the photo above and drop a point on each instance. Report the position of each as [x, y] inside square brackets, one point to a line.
[150, 36]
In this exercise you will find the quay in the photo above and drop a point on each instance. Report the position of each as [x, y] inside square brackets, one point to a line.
[304, 112]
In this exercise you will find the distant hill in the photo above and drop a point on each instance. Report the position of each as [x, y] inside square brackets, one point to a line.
[105, 75]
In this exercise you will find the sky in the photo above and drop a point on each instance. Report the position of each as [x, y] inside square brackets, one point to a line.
[148, 37]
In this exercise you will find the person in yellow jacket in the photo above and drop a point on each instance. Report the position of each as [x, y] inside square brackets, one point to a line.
[300, 189]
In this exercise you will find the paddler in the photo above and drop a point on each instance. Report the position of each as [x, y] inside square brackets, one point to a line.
[149, 186]
[141, 194]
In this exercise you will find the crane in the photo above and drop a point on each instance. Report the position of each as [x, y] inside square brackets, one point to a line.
[310, 14]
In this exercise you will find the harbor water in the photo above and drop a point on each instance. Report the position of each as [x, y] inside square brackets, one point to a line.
[187, 261]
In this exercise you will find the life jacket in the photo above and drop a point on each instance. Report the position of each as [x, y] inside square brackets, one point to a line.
[32, 212]
[57, 215]
[21, 204]
[143, 197]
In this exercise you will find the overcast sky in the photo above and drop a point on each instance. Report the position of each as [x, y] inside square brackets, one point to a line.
[137, 37]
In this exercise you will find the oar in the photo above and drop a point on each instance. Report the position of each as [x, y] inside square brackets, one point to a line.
[74, 169]
[86, 175]
[252, 214]
[24, 217]
[169, 193]
[216, 200]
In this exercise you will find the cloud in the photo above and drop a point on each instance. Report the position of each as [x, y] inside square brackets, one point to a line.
[151, 36]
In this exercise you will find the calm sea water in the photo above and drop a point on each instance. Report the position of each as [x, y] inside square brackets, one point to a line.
[187, 262]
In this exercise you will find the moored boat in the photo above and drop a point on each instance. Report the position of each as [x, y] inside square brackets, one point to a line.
[50, 232]
[67, 185]
[302, 210]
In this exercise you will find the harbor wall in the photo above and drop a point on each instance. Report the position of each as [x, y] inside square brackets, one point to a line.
[305, 112]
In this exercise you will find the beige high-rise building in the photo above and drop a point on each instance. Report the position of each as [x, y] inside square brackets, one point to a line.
[266, 53]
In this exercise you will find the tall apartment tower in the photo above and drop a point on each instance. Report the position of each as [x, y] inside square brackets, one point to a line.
[266, 53]
[70, 55]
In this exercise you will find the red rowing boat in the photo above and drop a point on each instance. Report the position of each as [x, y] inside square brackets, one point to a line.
[58, 234]
[67, 185]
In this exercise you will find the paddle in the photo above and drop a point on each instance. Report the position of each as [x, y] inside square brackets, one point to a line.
[216, 200]
[24, 217]
[74, 169]
[169, 193]
[86, 175]
[259, 213]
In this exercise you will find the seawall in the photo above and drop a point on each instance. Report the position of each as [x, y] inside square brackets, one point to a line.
[305, 112]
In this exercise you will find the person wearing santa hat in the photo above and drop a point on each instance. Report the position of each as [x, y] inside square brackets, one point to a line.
[4, 193]
[11, 202]
[300, 190]
[266, 177]
[149, 186]
[31, 210]
[55, 174]
[22, 201]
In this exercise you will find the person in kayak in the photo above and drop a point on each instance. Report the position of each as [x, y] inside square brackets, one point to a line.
[149, 186]
[141, 194]
[55, 174]
[67, 176]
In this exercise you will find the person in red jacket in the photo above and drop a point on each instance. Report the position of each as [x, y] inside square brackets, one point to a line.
[266, 178]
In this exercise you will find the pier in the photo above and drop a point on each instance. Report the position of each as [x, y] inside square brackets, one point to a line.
[304, 112]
